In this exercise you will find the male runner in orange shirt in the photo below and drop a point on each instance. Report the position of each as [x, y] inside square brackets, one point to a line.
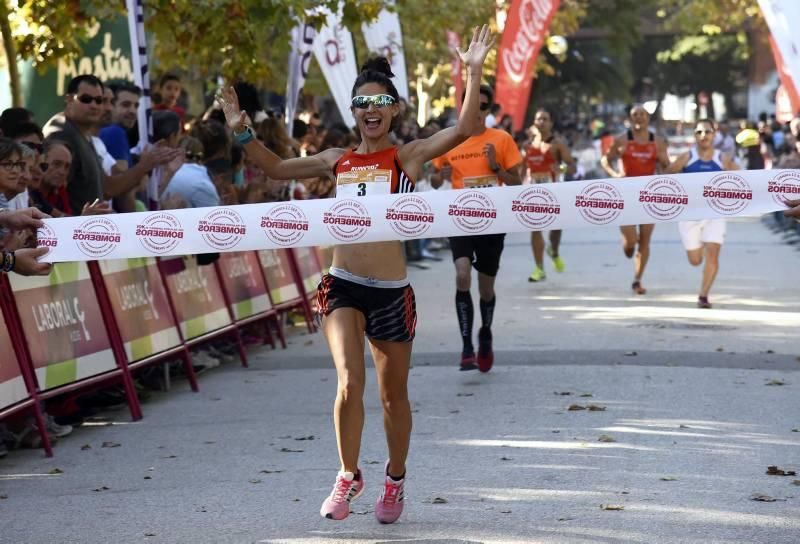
[487, 159]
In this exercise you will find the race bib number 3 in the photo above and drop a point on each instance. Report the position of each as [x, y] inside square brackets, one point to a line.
[480, 181]
[357, 183]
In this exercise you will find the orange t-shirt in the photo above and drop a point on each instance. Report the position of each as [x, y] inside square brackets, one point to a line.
[469, 162]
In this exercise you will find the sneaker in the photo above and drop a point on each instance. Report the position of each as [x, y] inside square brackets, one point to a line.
[558, 262]
[390, 503]
[536, 275]
[345, 490]
[468, 361]
[702, 302]
[485, 353]
[54, 429]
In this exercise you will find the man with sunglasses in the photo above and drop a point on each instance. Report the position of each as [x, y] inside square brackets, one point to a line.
[83, 111]
[489, 158]
[704, 238]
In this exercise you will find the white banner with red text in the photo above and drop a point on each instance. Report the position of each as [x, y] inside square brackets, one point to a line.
[334, 50]
[433, 214]
[385, 37]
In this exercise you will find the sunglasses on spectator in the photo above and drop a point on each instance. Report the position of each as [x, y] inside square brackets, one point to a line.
[485, 106]
[39, 148]
[378, 100]
[194, 156]
[87, 99]
[702, 131]
[14, 165]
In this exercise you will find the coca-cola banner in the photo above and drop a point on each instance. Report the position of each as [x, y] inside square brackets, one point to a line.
[385, 38]
[140, 306]
[63, 325]
[526, 28]
[299, 60]
[454, 42]
[336, 55]
[12, 385]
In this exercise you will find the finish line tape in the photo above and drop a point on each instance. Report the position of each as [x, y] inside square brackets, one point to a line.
[433, 214]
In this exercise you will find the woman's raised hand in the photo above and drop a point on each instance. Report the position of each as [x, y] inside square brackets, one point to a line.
[482, 42]
[229, 102]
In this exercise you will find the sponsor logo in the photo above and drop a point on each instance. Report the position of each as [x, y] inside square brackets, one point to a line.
[410, 216]
[285, 225]
[472, 211]
[347, 220]
[160, 232]
[600, 203]
[664, 198]
[97, 237]
[784, 187]
[222, 228]
[46, 237]
[532, 17]
[536, 207]
[727, 193]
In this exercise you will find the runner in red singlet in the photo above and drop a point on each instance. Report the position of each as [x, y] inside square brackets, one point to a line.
[640, 152]
[544, 156]
[366, 293]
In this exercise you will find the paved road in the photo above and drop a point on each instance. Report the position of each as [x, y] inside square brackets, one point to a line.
[691, 420]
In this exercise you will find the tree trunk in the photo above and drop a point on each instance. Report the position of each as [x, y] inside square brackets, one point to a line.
[11, 55]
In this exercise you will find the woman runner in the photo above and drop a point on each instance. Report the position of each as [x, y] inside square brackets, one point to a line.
[366, 292]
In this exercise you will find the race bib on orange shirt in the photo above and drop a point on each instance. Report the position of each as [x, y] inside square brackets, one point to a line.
[476, 182]
[357, 183]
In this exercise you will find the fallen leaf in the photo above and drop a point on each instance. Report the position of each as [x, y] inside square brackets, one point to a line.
[668, 479]
[612, 507]
[290, 450]
[295, 500]
[585, 396]
[720, 349]
[796, 430]
[596, 408]
[151, 469]
[438, 500]
[110, 445]
[465, 394]
[631, 354]
[170, 457]
[309, 437]
[148, 477]
[255, 481]
[104, 488]
[86, 447]
[575, 407]
[762, 498]
[149, 534]
[556, 431]
[216, 398]
[770, 352]
[504, 458]
[209, 442]
[265, 471]
[505, 511]
[795, 482]
[565, 519]
[56, 471]
[683, 426]
[773, 470]
[606, 438]
[455, 411]
[3, 497]
[562, 393]
[308, 343]
[776, 382]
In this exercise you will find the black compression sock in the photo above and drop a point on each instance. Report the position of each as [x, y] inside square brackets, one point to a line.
[487, 312]
[466, 315]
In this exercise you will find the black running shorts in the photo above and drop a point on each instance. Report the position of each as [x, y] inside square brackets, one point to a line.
[390, 313]
[483, 250]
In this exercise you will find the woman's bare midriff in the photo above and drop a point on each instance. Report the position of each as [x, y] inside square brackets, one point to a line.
[379, 260]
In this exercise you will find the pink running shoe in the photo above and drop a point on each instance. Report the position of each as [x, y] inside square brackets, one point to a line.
[345, 490]
[390, 503]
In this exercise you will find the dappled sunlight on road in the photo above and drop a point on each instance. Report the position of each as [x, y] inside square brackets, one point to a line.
[545, 444]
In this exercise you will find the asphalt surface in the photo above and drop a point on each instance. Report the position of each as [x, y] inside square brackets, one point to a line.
[693, 406]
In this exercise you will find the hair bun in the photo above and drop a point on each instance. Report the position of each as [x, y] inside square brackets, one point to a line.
[378, 64]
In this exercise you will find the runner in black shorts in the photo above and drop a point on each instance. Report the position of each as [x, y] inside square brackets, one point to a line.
[489, 158]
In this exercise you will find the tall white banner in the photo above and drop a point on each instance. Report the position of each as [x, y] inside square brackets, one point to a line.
[336, 55]
[385, 38]
[783, 20]
[302, 44]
